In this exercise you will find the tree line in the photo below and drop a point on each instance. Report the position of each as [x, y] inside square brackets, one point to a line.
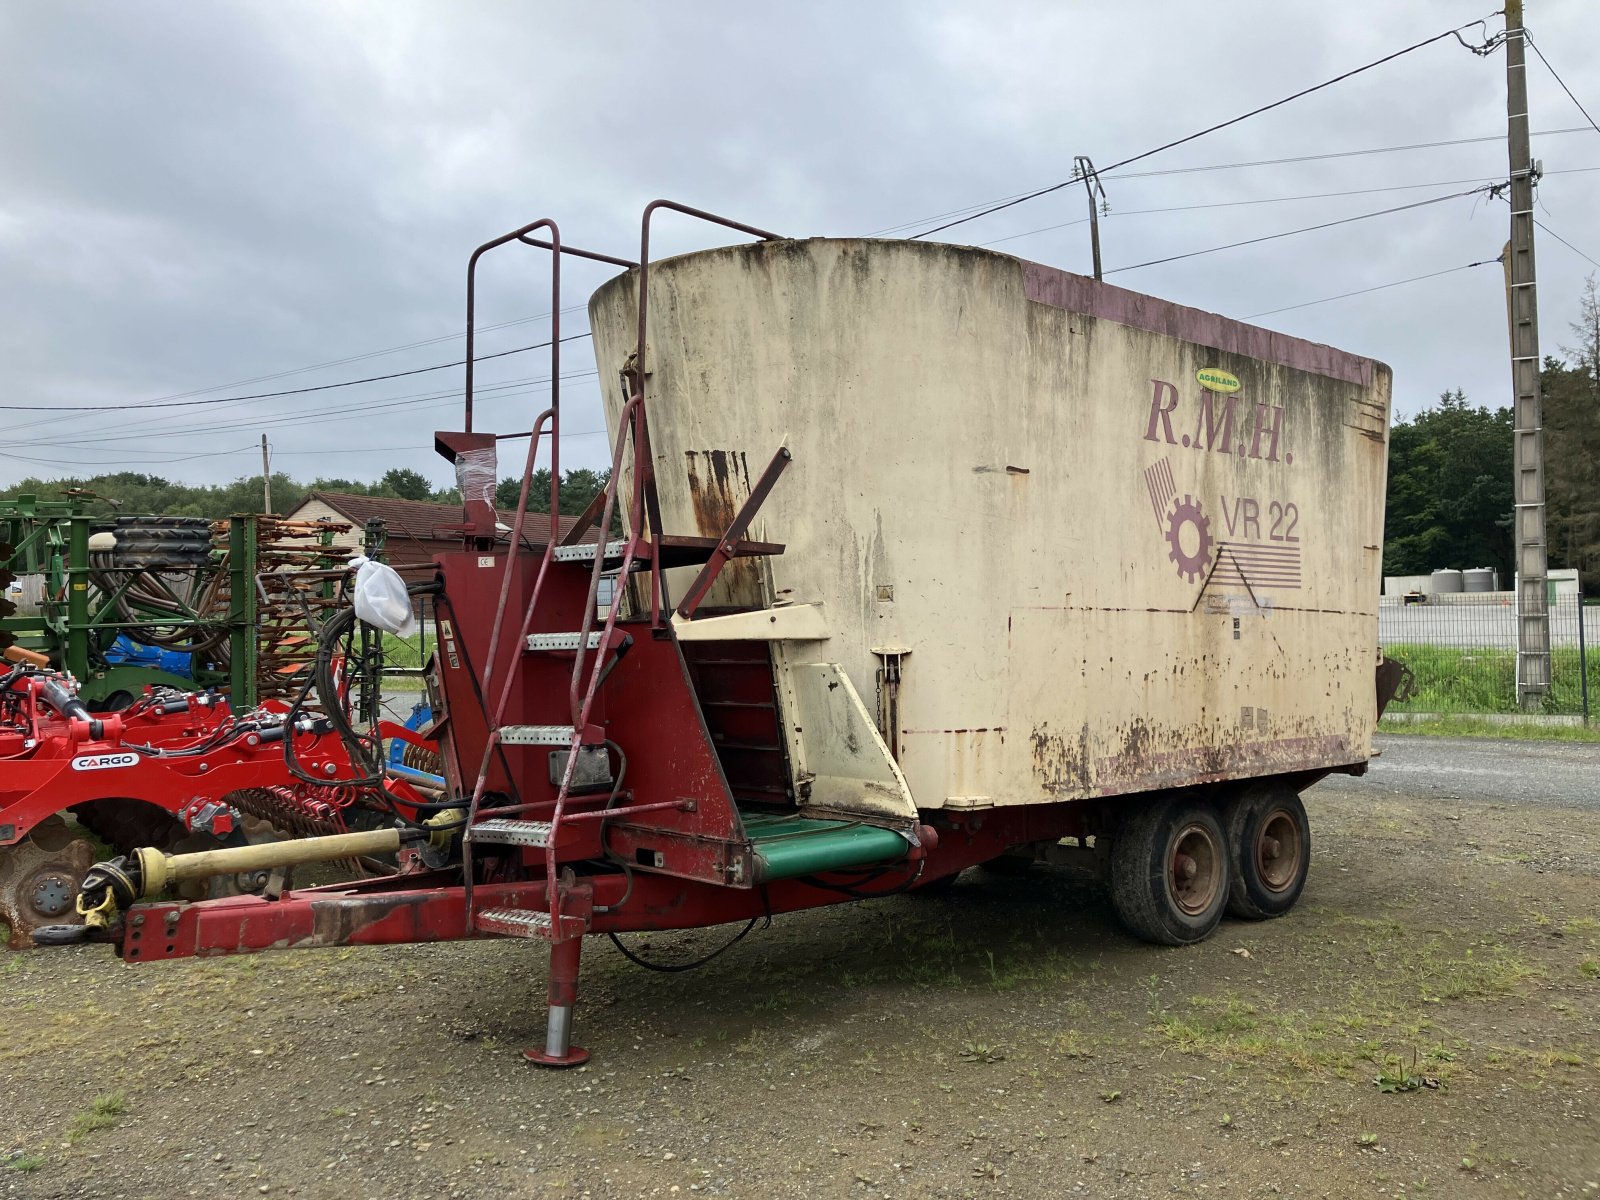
[136, 492]
[1450, 497]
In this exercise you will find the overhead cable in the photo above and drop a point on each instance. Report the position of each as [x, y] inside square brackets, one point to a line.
[1140, 212]
[507, 390]
[1260, 162]
[1563, 241]
[339, 362]
[1377, 288]
[1382, 212]
[127, 462]
[1255, 112]
[321, 387]
[1560, 80]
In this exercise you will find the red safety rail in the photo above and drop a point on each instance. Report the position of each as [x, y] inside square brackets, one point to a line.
[644, 518]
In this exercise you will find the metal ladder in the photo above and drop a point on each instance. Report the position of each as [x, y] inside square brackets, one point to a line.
[566, 917]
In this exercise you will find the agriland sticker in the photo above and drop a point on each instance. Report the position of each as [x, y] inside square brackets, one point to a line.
[1215, 379]
[104, 762]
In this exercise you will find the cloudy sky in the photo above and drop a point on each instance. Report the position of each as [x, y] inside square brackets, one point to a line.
[205, 201]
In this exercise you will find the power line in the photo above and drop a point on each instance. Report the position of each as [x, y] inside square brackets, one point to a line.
[1255, 112]
[1377, 288]
[1260, 162]
[1291, 232]
[1563, 241]
[414, 446]
[321, 387]
[1139, 212]
[126, 462]
[1561, 81]
[323, 416]
[339, 362]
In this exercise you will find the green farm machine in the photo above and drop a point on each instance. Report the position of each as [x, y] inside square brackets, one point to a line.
[122, 602]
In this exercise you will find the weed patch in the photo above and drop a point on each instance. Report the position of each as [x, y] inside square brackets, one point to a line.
[103, 1113]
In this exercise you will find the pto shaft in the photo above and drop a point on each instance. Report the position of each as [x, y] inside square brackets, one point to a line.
[111, 887]
[157, 869]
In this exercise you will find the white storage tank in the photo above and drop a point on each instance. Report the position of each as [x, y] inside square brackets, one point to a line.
[1481, 579]
[1447, 582]
[1062, 540]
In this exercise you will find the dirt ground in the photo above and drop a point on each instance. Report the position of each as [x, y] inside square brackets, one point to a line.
[1003, 1039]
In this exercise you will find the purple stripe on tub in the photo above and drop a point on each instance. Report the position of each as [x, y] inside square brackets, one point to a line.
[1078, 293]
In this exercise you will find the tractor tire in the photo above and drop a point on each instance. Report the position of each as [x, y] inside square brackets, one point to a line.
[1169, 872]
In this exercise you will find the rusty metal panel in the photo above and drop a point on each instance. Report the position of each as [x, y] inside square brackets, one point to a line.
[1127, 544]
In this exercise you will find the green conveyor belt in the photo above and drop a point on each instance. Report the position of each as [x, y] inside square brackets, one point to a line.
[787, 846]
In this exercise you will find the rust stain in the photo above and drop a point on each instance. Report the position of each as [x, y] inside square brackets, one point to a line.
[335, 922]
[1060, 766]
[710, 473]
[719, 483]
[1121, 773]
[1137, 742]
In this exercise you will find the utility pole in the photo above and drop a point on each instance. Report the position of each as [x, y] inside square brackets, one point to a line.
[1084, 169]
[266, 478]
[1533, 608]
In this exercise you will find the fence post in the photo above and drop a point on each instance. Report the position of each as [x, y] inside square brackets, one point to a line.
[1583, 660]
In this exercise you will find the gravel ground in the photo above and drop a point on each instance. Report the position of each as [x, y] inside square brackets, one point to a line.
[1502, 771]
[1003, 1039]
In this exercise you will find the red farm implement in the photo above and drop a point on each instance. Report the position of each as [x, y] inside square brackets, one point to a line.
[174, 769]
[616, 760]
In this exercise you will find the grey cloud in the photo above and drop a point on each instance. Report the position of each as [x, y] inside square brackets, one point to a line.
[198, 194]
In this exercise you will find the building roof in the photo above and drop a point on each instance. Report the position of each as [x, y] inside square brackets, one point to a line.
[410, 520]
[422, 521]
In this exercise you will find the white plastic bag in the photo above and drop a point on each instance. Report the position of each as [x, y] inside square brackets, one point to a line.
[381, 599]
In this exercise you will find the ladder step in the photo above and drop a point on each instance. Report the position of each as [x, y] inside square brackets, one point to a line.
[536, 735]
[505, 832]
[586, 551]
[562, 641]
[514, 922]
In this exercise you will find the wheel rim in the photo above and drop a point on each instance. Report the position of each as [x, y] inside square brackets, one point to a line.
[1194, 871]
[1278, 846]
[39, 878]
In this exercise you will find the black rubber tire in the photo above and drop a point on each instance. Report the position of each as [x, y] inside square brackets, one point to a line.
[1144, 859]
[1269, 850]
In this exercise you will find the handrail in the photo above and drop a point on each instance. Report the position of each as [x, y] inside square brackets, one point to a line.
[645, 499]
[493, 739]
[643, 505]
[472, 301]
[624, 420]
[576, 252]
[552, 415]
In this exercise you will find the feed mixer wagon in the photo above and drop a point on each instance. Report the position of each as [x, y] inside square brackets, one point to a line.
[930, 556]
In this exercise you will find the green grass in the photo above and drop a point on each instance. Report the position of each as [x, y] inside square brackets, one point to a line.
[103, 1113]
[1468, 726]
[404, 651]
[25, 1163]
[1450, 679]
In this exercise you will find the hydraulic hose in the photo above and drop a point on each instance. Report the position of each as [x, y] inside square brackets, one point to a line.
[334, 633]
